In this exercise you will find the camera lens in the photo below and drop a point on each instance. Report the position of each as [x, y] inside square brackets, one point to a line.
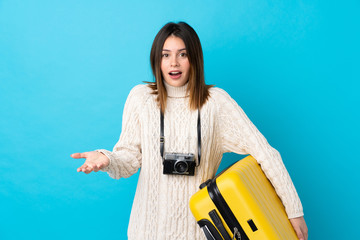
[181, 167]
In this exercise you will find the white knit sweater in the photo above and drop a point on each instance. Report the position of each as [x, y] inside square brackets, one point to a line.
[160, 209]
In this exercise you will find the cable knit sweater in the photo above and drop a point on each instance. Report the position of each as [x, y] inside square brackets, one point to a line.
[160, 209]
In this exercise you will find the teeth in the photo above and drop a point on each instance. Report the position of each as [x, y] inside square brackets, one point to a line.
[174, 73]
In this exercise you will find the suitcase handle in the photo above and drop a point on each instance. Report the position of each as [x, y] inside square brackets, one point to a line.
[211, 233]
[219, 225]
[225, 210]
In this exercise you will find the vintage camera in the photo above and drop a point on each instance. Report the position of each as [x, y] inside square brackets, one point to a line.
[179, 163]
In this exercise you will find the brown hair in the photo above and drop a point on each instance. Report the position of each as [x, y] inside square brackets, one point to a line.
[198, 90]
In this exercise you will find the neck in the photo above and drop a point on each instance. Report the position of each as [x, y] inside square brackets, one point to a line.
[176, 92]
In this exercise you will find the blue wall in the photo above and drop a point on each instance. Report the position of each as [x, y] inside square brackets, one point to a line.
[66, 68]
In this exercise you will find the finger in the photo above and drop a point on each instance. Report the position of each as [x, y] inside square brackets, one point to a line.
[97, 167]
[79, 155]
[83, 168]
[89, 168]
[306, 234]
[299, 234]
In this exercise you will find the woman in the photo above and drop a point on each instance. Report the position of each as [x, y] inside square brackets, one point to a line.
[160, 209]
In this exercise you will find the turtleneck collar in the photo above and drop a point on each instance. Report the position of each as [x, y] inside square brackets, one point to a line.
[176, 92]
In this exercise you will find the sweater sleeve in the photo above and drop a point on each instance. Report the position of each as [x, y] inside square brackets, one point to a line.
[239, 135]
[125, 159]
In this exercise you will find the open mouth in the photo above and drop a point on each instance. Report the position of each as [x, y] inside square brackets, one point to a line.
[175, 74]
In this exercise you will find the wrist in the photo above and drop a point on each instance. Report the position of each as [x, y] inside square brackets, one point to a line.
[104, 156]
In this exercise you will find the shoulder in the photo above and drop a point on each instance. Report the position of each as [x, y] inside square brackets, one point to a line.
[219, 94]
[140, 93]
[222, 100]
[140, 90]
[137, 98]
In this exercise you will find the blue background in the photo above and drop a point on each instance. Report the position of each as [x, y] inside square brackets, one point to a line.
[66, 68]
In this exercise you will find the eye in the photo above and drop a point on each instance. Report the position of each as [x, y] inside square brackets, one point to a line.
[183, 54]
[165, 55]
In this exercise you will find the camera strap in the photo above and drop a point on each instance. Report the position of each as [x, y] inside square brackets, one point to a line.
[162, 138]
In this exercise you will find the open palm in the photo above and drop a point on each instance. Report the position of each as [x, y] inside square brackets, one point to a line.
[94, 161]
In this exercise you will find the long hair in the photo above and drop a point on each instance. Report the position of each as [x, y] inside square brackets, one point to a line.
[197, 89]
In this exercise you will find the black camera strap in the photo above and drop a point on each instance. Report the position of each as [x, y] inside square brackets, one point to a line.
[162, 138]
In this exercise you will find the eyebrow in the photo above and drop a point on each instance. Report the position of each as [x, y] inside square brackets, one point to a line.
[178, 50]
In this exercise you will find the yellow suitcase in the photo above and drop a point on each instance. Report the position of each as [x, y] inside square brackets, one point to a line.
[240, 203]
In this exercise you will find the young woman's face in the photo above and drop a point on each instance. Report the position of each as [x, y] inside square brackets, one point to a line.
[175, 64]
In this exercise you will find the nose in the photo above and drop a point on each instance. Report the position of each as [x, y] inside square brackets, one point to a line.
[174, 61]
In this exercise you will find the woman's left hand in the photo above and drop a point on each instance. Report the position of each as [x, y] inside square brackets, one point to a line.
[300, 227]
